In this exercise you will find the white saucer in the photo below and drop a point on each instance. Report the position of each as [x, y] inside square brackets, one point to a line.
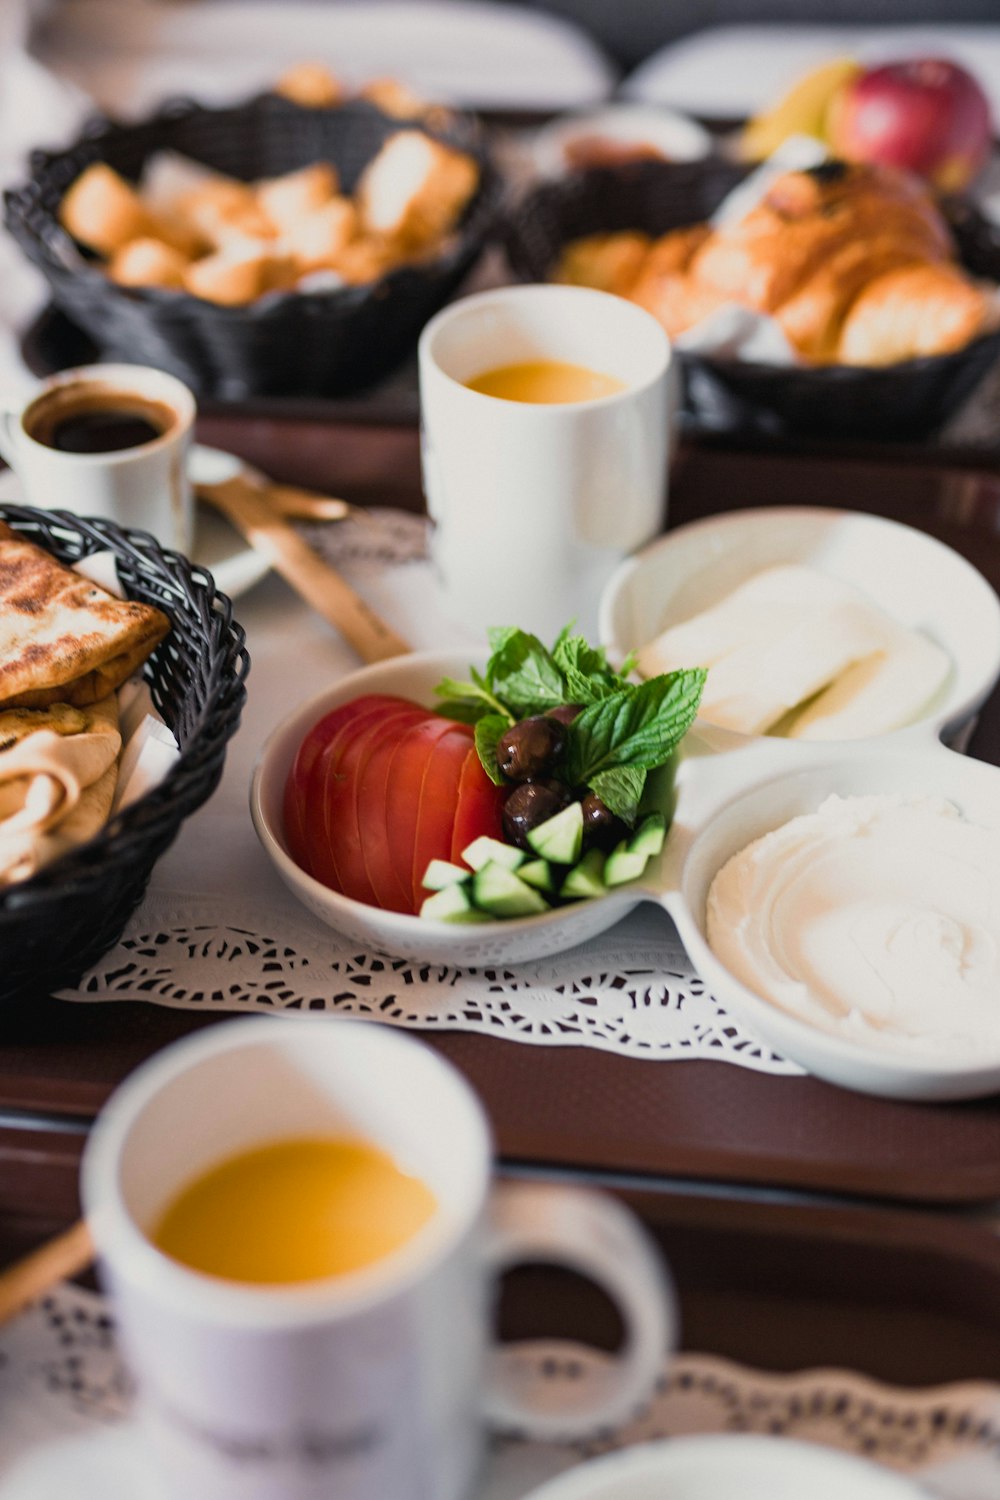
[108, 1464]
[234, 565]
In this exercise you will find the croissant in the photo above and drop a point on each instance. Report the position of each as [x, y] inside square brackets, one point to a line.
[833, 255]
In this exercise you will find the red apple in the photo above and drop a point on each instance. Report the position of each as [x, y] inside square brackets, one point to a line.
[926, 115]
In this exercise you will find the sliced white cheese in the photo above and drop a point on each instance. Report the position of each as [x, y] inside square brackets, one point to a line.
[757, 684]
[795, 649]
[881, 693]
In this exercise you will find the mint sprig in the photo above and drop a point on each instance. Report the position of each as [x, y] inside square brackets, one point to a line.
[624, 729]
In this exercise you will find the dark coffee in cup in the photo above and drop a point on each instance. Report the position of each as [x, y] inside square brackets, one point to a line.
[93, 419]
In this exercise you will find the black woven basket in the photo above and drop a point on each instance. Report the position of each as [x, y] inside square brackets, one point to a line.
[56, 925]
[321, 343]
[906, 401]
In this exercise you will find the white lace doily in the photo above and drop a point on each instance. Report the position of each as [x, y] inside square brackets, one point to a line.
[60, 1375]
[243, 943]
[630, 991]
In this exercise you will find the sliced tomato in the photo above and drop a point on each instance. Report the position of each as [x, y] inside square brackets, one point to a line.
[402, 803]
[357, 837]
[299, 808]
[333, 788]
[371, 807]
[438, 800]
[479, 808]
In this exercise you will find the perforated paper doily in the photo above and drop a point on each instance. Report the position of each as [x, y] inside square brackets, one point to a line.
[240, 945]
[60, 1376]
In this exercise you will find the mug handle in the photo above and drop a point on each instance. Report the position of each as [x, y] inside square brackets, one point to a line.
[594, 1235]
[9, 415]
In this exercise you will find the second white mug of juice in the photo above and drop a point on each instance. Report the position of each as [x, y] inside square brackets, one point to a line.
[296, 1223]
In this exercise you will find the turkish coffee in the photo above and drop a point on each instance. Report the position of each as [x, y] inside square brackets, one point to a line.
[94, 419]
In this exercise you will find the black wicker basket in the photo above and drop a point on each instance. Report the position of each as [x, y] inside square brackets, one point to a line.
[56, 925]
[321, 343]
[907, 401]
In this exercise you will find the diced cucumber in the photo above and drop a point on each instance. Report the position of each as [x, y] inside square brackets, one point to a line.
[540, 874]
[497, 890]
[624, 864]
[441, 873]
[483, 849]
[452, 904]
[560, 838]
[587, 877]
[649, 837]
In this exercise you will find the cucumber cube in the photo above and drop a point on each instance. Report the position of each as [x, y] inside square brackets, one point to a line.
[484, 849]
[452, 905]
[587, 877]
[501, 893]
[560, 838]
[624, 864]
[649, 837]
[441, 873]
[540, 874]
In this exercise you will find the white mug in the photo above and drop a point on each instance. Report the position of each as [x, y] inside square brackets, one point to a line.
[144, 488]
[377, 1384]
[534, 506]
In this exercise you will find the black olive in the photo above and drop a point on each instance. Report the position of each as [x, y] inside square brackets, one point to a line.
[531, 747]
[602, 829]
[565, 713]
[528, 805]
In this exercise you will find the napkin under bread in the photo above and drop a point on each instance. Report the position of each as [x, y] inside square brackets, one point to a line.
[63, 639]
[58, 771]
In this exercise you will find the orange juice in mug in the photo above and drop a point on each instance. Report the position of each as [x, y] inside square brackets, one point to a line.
[360, 1365]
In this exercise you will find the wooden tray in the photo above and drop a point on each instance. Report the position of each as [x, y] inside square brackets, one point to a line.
[574, 1107]
[907, 1297]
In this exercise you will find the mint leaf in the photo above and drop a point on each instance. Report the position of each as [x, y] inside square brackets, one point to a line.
[589, 678]
[488, 732]
[637, 726]
[523, 675]
[467, 701]
[620, 789]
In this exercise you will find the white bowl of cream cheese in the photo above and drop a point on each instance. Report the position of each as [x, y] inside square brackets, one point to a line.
[848, 908]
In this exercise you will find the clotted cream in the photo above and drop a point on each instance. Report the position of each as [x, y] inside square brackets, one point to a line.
[875, 917]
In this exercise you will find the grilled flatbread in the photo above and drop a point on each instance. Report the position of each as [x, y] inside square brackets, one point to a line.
[62, 638]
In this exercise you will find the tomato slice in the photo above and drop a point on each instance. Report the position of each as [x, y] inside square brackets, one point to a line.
[356, 845]
[333, 787]
[438, 800]
[479, 808]
[371, 807]
[402, 803]
[299, 811]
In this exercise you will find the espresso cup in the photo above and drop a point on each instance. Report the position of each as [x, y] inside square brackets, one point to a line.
[380, 1382]
[535, 505]
[139, 421]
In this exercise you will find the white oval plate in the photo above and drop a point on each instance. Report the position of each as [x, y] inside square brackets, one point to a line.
[724, 1466]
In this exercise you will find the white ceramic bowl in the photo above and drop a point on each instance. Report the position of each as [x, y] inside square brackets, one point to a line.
[714, 1467]
[916, 579]
[510, 941]
[676, 137]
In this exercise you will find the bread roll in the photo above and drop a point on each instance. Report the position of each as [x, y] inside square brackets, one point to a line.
[233, 280]
[318, 239]
[415, 189]
[285, 200]
[148, 262]
[102, 210]
[312, 85]
[608, 262]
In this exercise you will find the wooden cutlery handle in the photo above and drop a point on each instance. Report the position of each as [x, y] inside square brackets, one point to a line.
[314, 579]
[66, 1255]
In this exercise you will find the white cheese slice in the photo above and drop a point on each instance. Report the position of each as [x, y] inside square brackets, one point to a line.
[881, 693]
